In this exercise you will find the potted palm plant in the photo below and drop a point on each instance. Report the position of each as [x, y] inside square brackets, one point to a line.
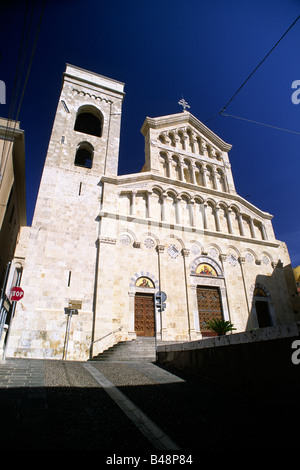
[221, 327]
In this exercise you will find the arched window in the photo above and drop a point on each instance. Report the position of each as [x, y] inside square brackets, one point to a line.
[89, 121]
[84, 155]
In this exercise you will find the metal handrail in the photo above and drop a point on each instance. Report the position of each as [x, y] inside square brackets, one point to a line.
[105, 336]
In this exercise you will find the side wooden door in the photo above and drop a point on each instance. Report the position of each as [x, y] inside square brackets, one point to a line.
[144, 315]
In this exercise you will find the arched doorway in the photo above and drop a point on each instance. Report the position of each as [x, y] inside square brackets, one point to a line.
[261, 306]
[209, 299]
[209, 308]
[144, 310]
[208, 279]
[144, 322]
[142, 289]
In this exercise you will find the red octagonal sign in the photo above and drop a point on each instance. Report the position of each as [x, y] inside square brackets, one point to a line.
[16, 293]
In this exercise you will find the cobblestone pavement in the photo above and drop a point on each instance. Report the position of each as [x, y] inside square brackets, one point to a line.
[130, 407]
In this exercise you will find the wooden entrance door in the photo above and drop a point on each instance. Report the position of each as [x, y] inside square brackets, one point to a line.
[144, 315]
[209, 307]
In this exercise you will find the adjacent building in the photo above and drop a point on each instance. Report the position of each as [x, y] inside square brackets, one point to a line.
[12, 190]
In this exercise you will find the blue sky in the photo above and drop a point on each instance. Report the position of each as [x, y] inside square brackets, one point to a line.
[163, 50]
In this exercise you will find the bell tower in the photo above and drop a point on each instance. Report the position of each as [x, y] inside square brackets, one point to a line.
[89, 111]
[84, 143]
[58, 251]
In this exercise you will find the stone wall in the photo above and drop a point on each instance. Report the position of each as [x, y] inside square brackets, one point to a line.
[257, 363]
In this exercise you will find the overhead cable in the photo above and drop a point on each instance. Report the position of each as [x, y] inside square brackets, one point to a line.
[252, 73]
[261, 123]
[27, 75]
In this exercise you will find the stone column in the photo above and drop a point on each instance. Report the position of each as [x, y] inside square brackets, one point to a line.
[240, 220]
[131, 331]
[195, 326]
[163, 207]
[215, 179]
[204, 216]
[204, 149]
[158, 315]
[205, 171]
[217, 219]
[192, 212]
[148, 195]
[185, 253]
[252, 228]
[242, 261]
[193, 169]
[169, 166]
[178, 210]
[132, 206]
[264, 232]
[224, 294]
[229, 221]
[181, 175]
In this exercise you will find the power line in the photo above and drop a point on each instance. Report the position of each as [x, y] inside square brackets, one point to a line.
[252, 73]
[14, 97]
[294, 22]
[15, 86]
[261, 123]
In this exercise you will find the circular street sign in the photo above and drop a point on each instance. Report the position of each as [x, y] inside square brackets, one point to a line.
[163, 295]
[16, 293]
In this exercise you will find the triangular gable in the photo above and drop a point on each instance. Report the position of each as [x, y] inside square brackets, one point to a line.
[184, 119]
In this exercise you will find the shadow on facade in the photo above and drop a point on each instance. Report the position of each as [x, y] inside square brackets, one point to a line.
[196, 414]
[268, 299]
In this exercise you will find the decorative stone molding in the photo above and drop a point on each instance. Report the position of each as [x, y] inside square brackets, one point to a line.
[90, 95]
[149, 243]
[136, 244]
[205, 259]
[185, 252]
[111, 241]
[125, 240]
[139, 274]
[213, 253]
[249, 258]
[173, 251]
[195, 249]
[232, 260]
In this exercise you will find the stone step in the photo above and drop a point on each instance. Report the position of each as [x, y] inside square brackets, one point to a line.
[125, 359]
[140, 349]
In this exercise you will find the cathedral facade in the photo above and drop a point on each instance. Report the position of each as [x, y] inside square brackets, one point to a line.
[103, 245]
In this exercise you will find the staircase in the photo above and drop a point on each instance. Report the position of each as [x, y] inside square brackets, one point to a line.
[141, 349]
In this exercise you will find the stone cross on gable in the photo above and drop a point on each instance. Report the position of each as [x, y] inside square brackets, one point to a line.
[184, 104]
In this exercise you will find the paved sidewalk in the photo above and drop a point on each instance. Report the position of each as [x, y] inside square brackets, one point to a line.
[56, 404]
[131, 407]
[22, 373]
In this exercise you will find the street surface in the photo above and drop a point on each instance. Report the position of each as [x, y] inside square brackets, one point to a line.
[132, 409]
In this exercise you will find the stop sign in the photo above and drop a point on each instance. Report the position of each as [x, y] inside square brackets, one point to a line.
[16, 293]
